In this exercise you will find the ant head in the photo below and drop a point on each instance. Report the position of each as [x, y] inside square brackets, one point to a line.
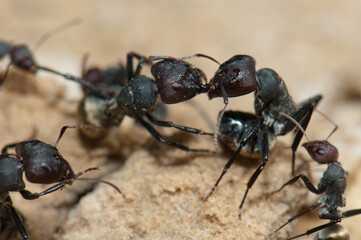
[177, 80]
[11, 173]
[42, 162]
[93, 75]
[322, 151]
[268, 84]
[4, 49]
[21, 57]
[237, 75]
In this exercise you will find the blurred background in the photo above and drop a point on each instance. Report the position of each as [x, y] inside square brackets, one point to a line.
[314, 45]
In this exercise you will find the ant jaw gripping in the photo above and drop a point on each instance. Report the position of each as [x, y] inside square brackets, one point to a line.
[322, 151]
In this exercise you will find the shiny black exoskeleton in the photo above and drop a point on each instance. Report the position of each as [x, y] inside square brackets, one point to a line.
[255, 133]
[136, 99]
[333, 185]
[43, 164]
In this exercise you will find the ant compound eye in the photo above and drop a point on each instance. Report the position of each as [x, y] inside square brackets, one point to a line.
[321, 151]
[178, 87]
[46, 167]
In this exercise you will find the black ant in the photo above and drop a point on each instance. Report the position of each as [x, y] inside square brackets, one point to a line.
[333, 184]
[255, 134]
[138, 97]
[42, 163]
[178, 81]
[22, 58]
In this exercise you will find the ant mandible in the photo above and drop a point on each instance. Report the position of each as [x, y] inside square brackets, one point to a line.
[255, 134]
[42, 163]
[22, 58]
[333, 184]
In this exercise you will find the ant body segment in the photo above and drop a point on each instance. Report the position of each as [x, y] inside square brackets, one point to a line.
[255, 134]
[42, 163]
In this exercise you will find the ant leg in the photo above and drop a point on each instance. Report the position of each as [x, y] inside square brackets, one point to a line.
[244, 141]
[316, 229]
[252, 180]
[351, 213]
[30, 196]
[5, 149]
[180, 127]
[161, 139]
[76, 79]
[16, 216]
[142, 60]
[306, 181]
[311, 208]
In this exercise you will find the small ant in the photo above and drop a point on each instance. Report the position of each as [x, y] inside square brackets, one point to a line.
[22, 58]
[138, 99]
[255, 134]
[42, 163]
[332, 183]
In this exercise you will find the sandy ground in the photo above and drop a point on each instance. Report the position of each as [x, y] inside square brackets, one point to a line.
[314, 46]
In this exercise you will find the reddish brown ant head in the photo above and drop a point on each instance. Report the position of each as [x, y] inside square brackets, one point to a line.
[322, 151]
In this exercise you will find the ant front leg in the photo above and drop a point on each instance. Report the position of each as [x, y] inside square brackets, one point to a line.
[30, 196]
[5, 149]
[142, 60]
[306, 181]
[180, 127]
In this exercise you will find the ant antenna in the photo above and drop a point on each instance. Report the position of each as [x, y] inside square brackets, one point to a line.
[200, 55]
[328, 119]
[57, 29]
[296, 123]
[63, 129]
[75, 79]
[102, 181]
